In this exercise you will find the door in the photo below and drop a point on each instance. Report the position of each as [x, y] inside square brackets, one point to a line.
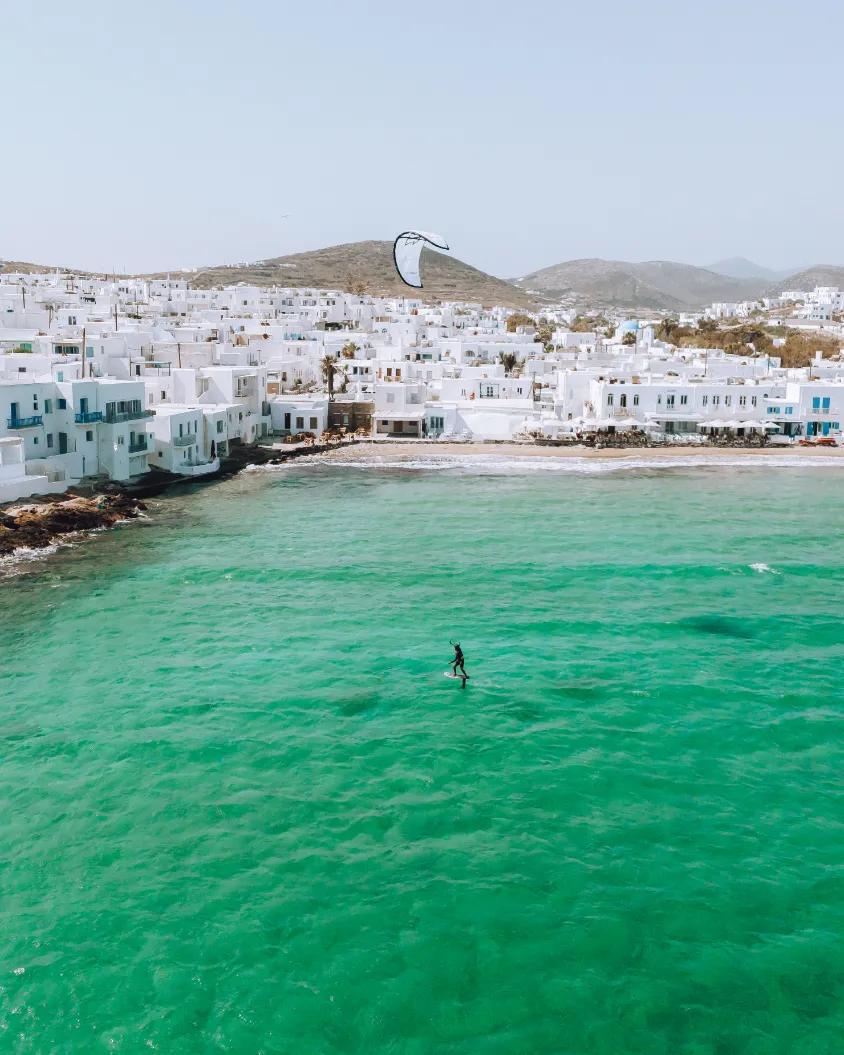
[83, 405]
[62, 443]
[287, 422]
[15, 411]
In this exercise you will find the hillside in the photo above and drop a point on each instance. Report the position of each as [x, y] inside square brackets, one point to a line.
[24, 267]
[367, 267]
[741, 267]
[654, 285]
[822, 275]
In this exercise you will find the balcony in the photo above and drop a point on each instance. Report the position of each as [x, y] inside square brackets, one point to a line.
[25, 423]
[129, 415]
[184, 441]
[139, 446]
[88, 418]
[198, 468]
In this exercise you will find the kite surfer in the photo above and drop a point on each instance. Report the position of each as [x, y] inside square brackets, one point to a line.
[458, 662]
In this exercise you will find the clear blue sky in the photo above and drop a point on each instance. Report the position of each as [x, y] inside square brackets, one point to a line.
[155, 135]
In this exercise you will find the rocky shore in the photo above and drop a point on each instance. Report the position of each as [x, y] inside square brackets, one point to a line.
[37, 523]
[38, 526]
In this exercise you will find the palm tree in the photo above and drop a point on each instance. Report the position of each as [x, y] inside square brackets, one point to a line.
[328, 369]
[509, 361]
[348, 350]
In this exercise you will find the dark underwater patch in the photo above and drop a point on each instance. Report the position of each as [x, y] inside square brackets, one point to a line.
[717, 624]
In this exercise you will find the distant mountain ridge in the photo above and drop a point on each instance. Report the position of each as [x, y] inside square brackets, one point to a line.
[741, 267]
[655, 284]
[367, 268]
[820, 275]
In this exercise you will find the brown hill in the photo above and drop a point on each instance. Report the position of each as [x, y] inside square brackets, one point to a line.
[25, 268]
[654, 285]
[367, 268]
[821, 275]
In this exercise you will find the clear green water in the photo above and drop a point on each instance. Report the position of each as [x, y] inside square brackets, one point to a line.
[243, 811]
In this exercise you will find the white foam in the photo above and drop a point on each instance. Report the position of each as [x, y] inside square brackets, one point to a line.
[762, 568]
[502, 464]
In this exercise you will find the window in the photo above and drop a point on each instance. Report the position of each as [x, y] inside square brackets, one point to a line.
[659, 401]
[609, 399]
[220, 425]
[705, 400]
[121, 440]
[825, 404]
[742, 402]
[623, 400]
[391, 397]
[635, 401]
[89, 436]
[35, 402]
[314, 424]
[61, 378]
[49, 439]
[62, 404]
[48, 406]
[300, 423]
[770, 410]
[753, 401]
[669, 402]
[89, 353]
[163, 395]
[816, 403]
[728, 401]
[789, 410]
[716, 400]
[35, 440]
[684, 400]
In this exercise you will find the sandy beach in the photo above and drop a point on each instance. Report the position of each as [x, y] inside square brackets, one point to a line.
[415, 449]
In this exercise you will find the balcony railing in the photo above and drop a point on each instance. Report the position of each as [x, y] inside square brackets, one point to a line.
[129, 415]
[89, 417]
[184, 441]
[25, 423]
[138, 446]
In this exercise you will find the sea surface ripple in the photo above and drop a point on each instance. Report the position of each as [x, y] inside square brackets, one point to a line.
[245, 812]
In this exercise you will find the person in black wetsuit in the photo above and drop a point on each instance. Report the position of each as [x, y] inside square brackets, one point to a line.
[458, 662]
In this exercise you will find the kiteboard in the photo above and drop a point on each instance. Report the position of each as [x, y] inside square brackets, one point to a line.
[460, 677]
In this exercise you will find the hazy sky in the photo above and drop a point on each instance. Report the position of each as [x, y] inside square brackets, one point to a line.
[171, 134]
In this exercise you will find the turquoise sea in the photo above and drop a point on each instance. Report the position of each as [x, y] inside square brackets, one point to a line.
[244, 812]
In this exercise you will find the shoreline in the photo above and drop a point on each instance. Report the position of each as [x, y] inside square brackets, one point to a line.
[37, 524]
[416, 448]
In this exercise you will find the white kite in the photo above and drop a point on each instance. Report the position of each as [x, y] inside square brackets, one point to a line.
[407, 249]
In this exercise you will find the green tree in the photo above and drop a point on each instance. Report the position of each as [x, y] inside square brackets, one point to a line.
[348, 350]
[667, 328]
[329, 368]
[629, 337]
[518, 319]
[509, 361]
